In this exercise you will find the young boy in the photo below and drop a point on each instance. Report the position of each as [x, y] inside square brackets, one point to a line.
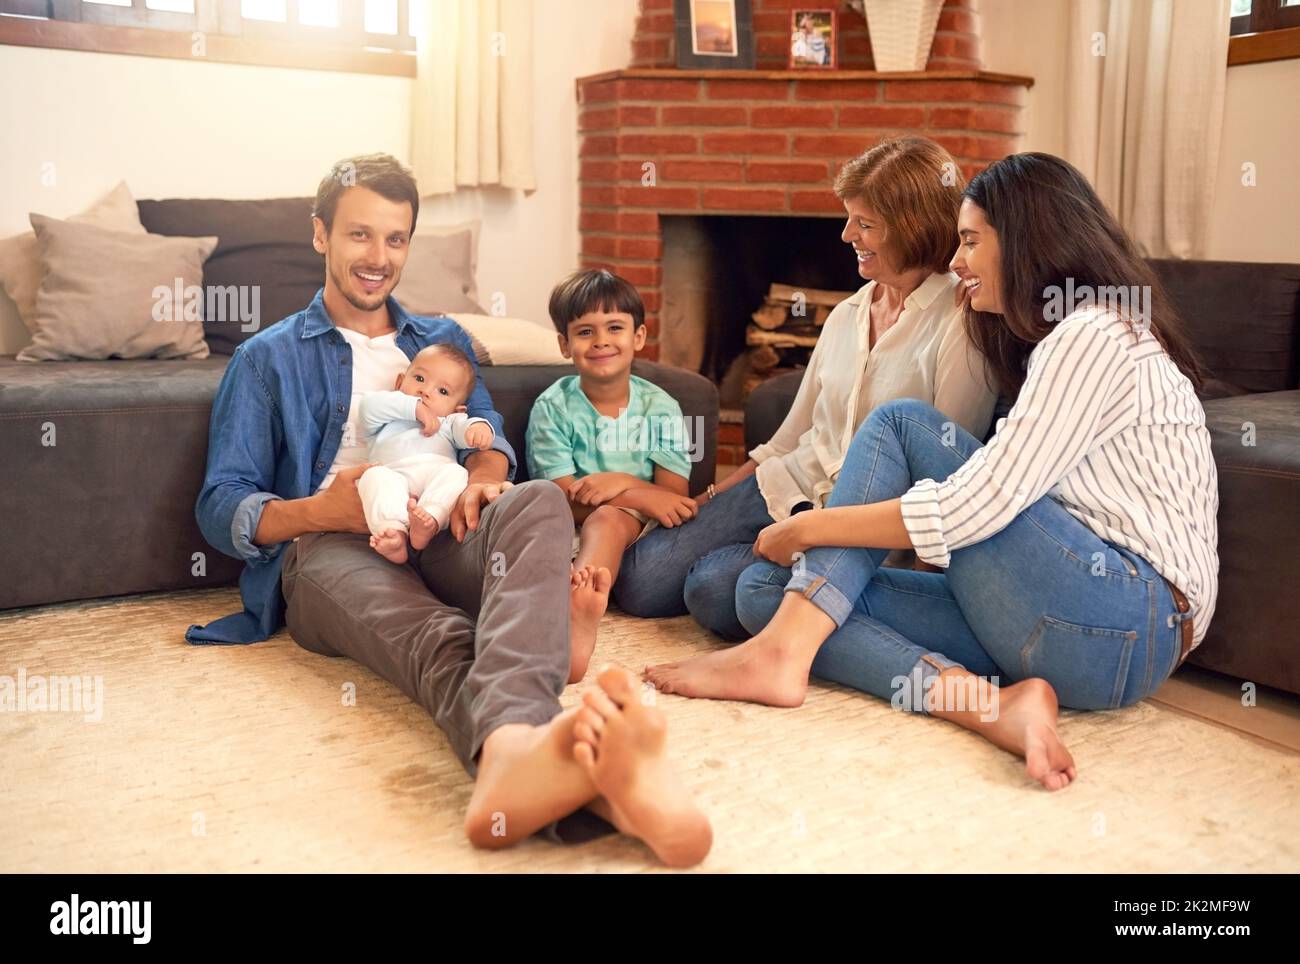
[414, 432]
[615, 443]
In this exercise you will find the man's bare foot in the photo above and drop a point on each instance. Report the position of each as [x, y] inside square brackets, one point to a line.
[527, 778]
[588, 600]
[423, 526]
[1026, 726]
[391, 545]
[620, 743]
[760, 670]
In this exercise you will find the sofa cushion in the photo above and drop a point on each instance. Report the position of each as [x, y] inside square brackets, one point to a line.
[100, 294]
[438, 277]
[1256, 440]
[510, 341]
[265, 243]
[1242, 319]
[20, 256]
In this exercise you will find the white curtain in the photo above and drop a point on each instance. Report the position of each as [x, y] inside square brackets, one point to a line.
[472, 109]
[1143, 121]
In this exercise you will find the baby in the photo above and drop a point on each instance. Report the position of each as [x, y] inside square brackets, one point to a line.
[414, 432]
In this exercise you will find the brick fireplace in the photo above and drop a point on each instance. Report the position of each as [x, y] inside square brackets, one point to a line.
[659, 143]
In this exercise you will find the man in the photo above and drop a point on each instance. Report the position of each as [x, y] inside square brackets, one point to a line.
[474, 626]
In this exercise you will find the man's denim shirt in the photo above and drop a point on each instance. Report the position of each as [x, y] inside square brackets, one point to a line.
[277, 423]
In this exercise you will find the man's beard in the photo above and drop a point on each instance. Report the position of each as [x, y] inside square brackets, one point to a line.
[359, 301]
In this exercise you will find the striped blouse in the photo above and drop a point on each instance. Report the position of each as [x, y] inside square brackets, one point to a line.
[1108, 426]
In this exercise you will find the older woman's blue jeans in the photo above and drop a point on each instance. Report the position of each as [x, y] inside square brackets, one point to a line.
[1045, 597]
[694, 567]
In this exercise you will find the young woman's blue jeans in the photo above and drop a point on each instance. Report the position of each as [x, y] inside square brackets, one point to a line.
[1045, 597]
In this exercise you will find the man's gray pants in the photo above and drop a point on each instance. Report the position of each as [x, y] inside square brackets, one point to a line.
[475, 632]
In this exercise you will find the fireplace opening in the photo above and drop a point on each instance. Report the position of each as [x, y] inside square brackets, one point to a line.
[718, 270]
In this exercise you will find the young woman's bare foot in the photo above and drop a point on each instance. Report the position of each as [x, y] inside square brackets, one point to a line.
[620, 743]
[588, 600]
[391, 545]
[527, 778]
[1024, 724]
[423, 526]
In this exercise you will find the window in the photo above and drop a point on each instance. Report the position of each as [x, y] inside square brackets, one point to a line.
[1264, 30]
[330, 34]
[1257, 16]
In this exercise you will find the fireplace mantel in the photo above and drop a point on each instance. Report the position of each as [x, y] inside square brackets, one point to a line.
[668, 73]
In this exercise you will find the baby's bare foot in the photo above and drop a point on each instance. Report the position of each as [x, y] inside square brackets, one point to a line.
[391, 544]
[588, 599]
[423, 526]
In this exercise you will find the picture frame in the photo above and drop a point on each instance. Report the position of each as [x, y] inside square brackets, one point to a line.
[714, 34]
[814, 38]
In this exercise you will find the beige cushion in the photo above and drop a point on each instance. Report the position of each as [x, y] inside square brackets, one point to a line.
[20, 261]
[111, 294]
[511, 341]
[439, 275]
[445, 230]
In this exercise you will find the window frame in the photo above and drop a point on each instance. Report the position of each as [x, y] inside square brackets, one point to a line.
[1270, 31]
[228, 36]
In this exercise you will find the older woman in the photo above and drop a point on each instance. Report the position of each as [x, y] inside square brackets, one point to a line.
[899, 336]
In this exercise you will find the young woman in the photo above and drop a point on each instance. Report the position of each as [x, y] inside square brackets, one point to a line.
[899, 336]
[1080, 544]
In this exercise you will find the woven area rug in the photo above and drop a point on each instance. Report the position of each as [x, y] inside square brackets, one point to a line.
[246, 758]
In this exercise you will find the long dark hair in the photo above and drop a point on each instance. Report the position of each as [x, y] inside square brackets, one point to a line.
[1052, 227]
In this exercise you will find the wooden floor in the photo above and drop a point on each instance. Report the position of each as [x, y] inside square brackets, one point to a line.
[246, 758]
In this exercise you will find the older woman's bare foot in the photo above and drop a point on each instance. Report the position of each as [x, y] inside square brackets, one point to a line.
[423, 526]
[760, 670]
[771, 668]
[588, 600]
[1023, 722]
[620, 743]
[391, 544]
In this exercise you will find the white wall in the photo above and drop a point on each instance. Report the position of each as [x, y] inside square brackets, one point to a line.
[174, 128]
[1028, 37]
[1260, 223]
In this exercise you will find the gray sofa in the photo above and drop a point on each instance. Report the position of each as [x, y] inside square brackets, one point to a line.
[108, 507]
[1244, 319]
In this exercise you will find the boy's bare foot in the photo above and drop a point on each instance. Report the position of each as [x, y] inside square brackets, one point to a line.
[760, 670]
[620, 743]
[588, 600]
[391, 545]
[423, 526]
[1025, 724]
[527, 778]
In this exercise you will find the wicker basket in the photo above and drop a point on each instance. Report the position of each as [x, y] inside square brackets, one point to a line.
[902, 32]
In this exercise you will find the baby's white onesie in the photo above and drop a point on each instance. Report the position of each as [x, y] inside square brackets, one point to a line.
[411, 463]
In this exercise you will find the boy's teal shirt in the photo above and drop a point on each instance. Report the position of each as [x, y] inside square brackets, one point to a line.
[567, 436]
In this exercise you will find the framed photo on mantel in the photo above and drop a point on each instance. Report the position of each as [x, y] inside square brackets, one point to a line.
[813, 39]
[714, 34]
